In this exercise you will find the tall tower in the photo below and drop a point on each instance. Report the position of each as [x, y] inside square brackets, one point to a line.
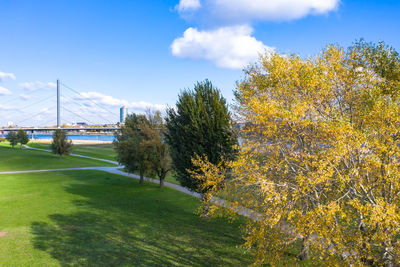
[122, 114]
[58, 104]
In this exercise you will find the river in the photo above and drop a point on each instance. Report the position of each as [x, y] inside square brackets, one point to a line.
[91, 137]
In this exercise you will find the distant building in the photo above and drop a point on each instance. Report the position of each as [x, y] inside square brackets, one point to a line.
[123, 111]
[81, 124]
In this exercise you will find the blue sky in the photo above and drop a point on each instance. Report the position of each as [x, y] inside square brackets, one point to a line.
[143, 53]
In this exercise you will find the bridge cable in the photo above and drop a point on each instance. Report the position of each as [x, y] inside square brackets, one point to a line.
[78, 103]
[79, 94]
[30, 117]
[37, 102]
[30, 93]
[77, 115]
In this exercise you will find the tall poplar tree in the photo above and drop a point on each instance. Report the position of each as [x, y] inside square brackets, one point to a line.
[199, 125]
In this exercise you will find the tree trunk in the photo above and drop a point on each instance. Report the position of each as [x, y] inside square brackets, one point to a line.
[205, 206]
[305, 249]
[162, 182]
[387, 254]
[141, 180]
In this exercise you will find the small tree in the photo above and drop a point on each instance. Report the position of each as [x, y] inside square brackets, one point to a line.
[159, 158]
[200, 125]
[23, 138]
[12, 137]
[128, 144]
[60, 144]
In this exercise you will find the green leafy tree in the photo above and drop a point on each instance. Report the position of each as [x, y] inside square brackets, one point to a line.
[159, 158]
[128, 144]
[60, 144]
[23, 138]
[12, 137]
[200, 125]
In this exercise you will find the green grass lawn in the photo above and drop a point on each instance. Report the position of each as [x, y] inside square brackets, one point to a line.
[91, 218]
[14, 159]
[169, 178]
[102, 151]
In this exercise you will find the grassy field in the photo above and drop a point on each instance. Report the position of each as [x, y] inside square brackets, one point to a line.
[14, 159]
[169, 178]
[92, 218]
[102, 151]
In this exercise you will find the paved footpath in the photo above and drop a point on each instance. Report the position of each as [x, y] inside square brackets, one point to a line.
[113, 170]
[116, 170]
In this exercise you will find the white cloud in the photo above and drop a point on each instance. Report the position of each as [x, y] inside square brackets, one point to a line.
[89, 98]
[188, 5]
[4, 91]
[229, 47]
[142, 105]
[5, 107]
[33, 86]
[5, 75]
[270, 9]
[24, 97]
[38, 118]
[234, 46]
[45, 111]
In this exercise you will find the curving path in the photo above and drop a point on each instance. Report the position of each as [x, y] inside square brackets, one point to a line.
[113, 170]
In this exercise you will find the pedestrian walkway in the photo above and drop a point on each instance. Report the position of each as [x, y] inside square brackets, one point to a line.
[116, 170]
[113, 170]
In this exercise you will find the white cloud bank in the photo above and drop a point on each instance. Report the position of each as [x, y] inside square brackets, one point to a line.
[5, 108]
[89, 98]
[5, 75]
[4, 91]
[24, 97]
[228, 47]
[33, 86]
[188, 5]
[234, 46]
[250, 10]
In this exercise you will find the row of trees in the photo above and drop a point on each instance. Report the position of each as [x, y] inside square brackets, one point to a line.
[199, 125]
[141, 146]
[60, 144]
[319, 162]
[16, 138]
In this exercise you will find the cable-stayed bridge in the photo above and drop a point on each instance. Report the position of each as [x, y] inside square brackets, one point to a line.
[62, 108]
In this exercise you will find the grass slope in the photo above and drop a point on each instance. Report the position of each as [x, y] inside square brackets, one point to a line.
[91, 218]
[102, 151]
[15, 159]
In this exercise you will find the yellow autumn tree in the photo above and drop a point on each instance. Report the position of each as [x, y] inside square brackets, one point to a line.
[318, 168]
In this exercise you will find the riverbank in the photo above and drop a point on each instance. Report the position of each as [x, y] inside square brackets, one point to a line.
[75, 142]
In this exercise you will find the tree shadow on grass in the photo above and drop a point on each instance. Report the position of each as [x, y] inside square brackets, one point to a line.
[121, 223]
